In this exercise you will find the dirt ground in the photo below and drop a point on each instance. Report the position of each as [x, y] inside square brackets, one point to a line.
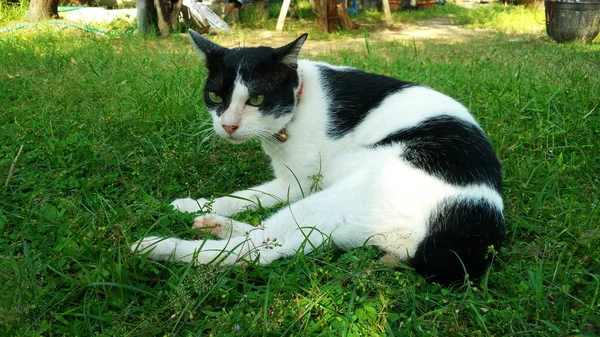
[434, 29]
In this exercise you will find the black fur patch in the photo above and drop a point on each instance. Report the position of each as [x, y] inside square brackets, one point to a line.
[459, 234]
[353, 94]
[261, 71]
[451, 149]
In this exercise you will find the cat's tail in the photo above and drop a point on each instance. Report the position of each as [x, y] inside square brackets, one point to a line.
[462, 237]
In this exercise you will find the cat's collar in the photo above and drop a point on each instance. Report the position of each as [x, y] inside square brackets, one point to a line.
[282, 135]
[300, 86]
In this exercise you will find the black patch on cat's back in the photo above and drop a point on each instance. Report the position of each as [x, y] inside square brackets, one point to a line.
[352, 94]
[451, 149]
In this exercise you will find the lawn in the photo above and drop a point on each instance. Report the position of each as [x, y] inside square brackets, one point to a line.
[98, 134]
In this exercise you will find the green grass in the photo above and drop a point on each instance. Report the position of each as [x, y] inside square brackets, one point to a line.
[113, 129]
[507, 19]
[11, 12]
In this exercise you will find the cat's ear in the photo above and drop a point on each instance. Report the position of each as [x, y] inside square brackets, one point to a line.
[289, 53]
[205, 48]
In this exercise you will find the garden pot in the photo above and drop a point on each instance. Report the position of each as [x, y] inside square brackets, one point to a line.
[395, 4]
[572, 21]
[425, 4]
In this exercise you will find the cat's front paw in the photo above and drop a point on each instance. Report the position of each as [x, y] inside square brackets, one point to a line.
[223, 227]
[216, 224]
[156, 248]
[189, 205]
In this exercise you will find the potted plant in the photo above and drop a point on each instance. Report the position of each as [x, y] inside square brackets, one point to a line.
[394, 4]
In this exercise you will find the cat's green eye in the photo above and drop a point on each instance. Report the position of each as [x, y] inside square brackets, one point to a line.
[256, 100]
[214, 97]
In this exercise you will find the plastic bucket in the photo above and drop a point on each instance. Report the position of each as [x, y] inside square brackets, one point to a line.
[572, 21]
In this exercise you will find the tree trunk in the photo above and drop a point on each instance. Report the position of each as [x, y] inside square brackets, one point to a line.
[163, 18]
[321, 6]
[333, 18]
[333, 15]
[146, 16]
[387, 12]
[40, 10]
[345, 21]
[167, 13]
[174, 15]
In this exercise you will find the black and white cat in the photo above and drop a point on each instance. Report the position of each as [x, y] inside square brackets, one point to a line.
[401, 166]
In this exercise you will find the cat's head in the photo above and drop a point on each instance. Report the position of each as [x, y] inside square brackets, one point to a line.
[250, 92]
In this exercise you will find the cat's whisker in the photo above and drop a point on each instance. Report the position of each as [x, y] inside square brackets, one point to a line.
[215, 83]
[271, 142]
[261, 134]
[210, 138]
[221, 77]
[251, 72]
[203, 132]
[268, 138]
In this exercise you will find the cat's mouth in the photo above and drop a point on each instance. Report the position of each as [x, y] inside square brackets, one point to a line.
[280, 136]
[236, 140]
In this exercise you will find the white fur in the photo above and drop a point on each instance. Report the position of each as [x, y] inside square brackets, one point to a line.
[368, 196]
[418, 103]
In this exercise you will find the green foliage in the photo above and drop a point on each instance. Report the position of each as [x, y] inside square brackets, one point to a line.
[438, 11]
[12, 11]
[300, 16]
[508, 19]
[113, 129]
[251, 17]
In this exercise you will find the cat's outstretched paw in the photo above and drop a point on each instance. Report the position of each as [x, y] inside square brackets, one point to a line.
[157, 248]
[218, 225]
[221, 226]
[189, 205]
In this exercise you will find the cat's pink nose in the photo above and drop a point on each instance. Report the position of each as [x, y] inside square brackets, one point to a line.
[230, 128]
